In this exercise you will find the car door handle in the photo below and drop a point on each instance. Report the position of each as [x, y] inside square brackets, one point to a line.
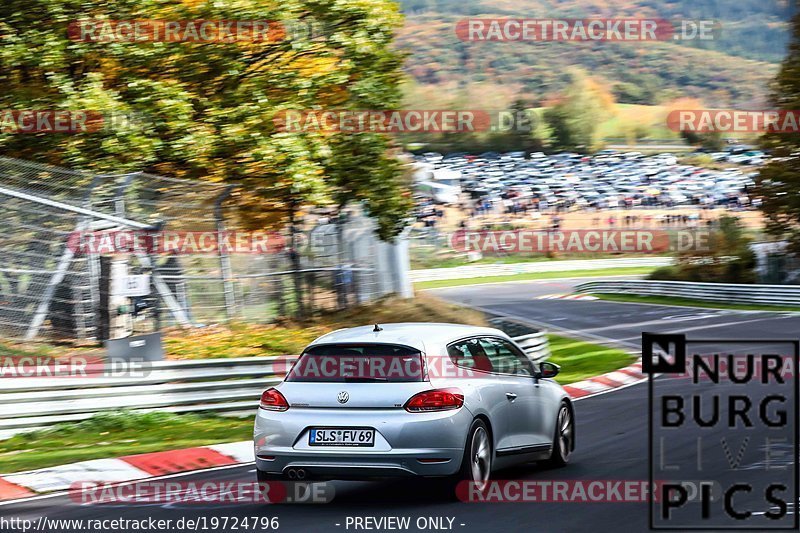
[511, 396]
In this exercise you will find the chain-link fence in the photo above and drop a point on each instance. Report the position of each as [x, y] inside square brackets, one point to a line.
[51, 283]
[775, 264]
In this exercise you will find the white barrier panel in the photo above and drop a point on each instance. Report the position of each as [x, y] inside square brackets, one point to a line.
[785, 295]
[211, 385]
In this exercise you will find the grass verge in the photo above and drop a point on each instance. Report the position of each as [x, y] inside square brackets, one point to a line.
[687, 302]
[438, 284]
[581, 360]
[117, 434]
[428, 259]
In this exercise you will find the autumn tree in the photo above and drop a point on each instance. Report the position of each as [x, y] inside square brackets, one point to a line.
[778, 182]
[574, 120]
[207, 110]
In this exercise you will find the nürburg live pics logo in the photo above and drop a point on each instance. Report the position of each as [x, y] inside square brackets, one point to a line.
[723, 422]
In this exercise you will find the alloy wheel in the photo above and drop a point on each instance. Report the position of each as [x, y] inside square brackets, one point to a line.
[565, 432]
[480, 458]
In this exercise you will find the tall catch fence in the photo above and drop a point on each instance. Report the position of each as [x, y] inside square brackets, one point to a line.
[50, 287]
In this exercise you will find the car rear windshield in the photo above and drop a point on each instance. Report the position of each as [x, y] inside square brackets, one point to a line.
[357, 363]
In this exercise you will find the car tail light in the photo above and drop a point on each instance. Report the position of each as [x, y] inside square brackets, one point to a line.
[435, 400]
[273, 400]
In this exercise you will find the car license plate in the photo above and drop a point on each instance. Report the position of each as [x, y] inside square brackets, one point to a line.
[341, 437]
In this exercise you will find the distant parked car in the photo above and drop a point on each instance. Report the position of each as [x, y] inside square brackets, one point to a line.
[574, 180]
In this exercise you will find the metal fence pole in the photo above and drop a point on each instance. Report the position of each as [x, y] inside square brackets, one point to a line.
[226, 270]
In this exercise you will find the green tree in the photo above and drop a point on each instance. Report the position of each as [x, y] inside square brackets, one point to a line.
[711, 141]
[386, 198]
[727, 258]
[778, 182]
[525, 133]
[574, 120]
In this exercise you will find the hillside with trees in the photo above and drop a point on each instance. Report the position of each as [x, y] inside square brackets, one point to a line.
[732, 70]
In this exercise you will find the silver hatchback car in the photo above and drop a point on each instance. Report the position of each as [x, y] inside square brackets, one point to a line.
[412, 399]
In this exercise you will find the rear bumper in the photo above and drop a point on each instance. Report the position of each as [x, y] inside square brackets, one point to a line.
[318, 466]
[406, 444]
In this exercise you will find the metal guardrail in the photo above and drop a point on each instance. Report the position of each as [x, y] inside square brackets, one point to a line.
[711, 292]
[213, 385]
[536, 346]
[210, 385]
[532, 340]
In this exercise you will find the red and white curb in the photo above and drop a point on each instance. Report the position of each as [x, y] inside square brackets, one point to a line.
[122, 469]
[607, 382]
[147, 465]
[566, 297]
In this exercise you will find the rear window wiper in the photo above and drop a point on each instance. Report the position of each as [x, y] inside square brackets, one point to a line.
[356, 379]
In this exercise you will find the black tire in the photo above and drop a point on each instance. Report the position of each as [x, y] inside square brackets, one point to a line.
[564, 437]
[476, 465]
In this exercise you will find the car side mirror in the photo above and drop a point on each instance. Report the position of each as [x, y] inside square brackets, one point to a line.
[548, 370]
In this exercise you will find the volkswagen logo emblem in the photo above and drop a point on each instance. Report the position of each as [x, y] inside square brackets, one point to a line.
[343, 397]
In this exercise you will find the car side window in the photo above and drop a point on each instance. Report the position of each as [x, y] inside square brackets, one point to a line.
[505, 358]
[470, 354]
[459, 355]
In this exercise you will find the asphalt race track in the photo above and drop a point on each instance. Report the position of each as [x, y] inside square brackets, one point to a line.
[612, 433]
